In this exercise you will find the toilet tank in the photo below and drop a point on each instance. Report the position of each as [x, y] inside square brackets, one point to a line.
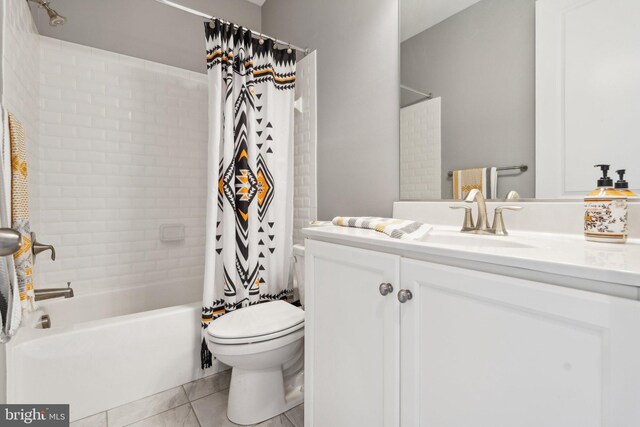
[298, 271]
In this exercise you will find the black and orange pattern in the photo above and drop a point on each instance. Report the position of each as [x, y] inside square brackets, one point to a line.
[251, 89]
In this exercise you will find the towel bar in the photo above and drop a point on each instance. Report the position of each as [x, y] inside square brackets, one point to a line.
[522, 168]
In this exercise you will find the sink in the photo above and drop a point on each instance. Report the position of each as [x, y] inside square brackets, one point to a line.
[458, 239]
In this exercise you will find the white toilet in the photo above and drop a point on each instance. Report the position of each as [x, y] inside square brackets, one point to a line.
[264, 345]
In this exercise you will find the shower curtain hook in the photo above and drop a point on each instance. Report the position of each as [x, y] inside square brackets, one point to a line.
[261, 41]
[212, 23]
[290, 49]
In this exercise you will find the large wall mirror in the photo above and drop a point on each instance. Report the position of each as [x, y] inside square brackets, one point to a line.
[520, 95]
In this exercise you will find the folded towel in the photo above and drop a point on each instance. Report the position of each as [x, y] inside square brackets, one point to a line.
[395, 228]
[483, 179]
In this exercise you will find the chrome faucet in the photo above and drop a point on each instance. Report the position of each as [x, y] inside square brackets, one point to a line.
[513, 195]
[10, 241]
[498, 228]
[43, 294]
[482, 224]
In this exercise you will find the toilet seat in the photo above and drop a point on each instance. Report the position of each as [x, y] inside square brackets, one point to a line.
[256, 339]
[256, 323]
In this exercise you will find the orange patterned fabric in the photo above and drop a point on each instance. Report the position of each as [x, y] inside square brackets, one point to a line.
[20, 211]
[483, 179]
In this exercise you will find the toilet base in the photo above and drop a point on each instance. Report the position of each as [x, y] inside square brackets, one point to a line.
[258, 395]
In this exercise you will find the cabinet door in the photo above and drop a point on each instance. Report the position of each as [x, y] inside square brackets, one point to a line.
[352, 337]
[485, 350]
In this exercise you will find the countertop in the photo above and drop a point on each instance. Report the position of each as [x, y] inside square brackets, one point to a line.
[559, 254]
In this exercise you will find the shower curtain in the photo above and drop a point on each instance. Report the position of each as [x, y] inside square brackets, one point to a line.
[250, 195]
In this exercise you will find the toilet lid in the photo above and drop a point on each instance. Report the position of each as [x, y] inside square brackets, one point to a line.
[257, 320]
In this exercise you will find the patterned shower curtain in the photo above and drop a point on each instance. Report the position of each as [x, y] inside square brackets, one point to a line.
[250, 197]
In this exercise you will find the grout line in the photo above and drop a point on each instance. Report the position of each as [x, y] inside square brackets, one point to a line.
[185, 392]
[146, 397]
[196, 415]
[171, 409]
[286, 414]
[290, 420]
[217, 391]
[210, 394]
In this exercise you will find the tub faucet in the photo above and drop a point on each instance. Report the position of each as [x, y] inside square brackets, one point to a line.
[43, 294]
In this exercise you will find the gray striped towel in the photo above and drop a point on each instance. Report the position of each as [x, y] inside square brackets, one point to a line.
[395, 228]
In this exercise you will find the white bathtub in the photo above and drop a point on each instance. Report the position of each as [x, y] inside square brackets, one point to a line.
[106, 349]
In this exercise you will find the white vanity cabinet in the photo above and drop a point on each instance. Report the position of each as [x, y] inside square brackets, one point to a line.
[470, 348]
[352, 337]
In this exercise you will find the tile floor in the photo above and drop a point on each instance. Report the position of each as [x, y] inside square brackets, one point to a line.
[201, 403]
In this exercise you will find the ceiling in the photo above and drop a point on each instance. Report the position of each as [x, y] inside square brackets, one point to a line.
[418, 15]
[258, 2]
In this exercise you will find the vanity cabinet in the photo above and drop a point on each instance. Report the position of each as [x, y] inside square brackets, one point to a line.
[469, 348]
[355, 335]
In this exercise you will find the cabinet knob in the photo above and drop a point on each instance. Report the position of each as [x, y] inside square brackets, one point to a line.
[385, 289]
[404, 295]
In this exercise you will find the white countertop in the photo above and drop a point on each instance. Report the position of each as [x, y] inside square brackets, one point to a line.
[566, 255]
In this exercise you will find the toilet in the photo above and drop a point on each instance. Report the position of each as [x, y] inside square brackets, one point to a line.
[264, 345]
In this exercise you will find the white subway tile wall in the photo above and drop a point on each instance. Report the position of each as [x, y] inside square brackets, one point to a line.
[304, 191]
[124, 150]
[20, 89]
[420, 151]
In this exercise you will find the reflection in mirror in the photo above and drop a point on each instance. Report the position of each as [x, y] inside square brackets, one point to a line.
[541, 90]
[476, 59]
[587, 93]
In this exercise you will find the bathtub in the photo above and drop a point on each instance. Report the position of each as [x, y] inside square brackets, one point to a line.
[108, 348]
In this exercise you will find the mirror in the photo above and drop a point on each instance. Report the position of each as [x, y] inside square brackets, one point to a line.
[541, 90]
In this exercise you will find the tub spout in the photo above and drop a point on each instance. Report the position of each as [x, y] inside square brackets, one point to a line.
[43, 294]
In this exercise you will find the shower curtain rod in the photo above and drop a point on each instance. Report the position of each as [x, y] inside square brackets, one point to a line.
[426, 95]
[204, 15]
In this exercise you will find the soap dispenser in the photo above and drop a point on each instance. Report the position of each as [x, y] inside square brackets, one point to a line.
[605, 216]
[622, 185]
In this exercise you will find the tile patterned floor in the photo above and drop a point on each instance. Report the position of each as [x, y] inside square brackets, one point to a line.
[201, 403]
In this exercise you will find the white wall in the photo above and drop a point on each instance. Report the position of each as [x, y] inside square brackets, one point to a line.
[144, 28]
[420, 151]
[358, 97]
[19, 70]
[20, 90]
[305, 202]
[123, 151]
[1, 42]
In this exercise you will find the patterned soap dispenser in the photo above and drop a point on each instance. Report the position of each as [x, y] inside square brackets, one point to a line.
[605, 215]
